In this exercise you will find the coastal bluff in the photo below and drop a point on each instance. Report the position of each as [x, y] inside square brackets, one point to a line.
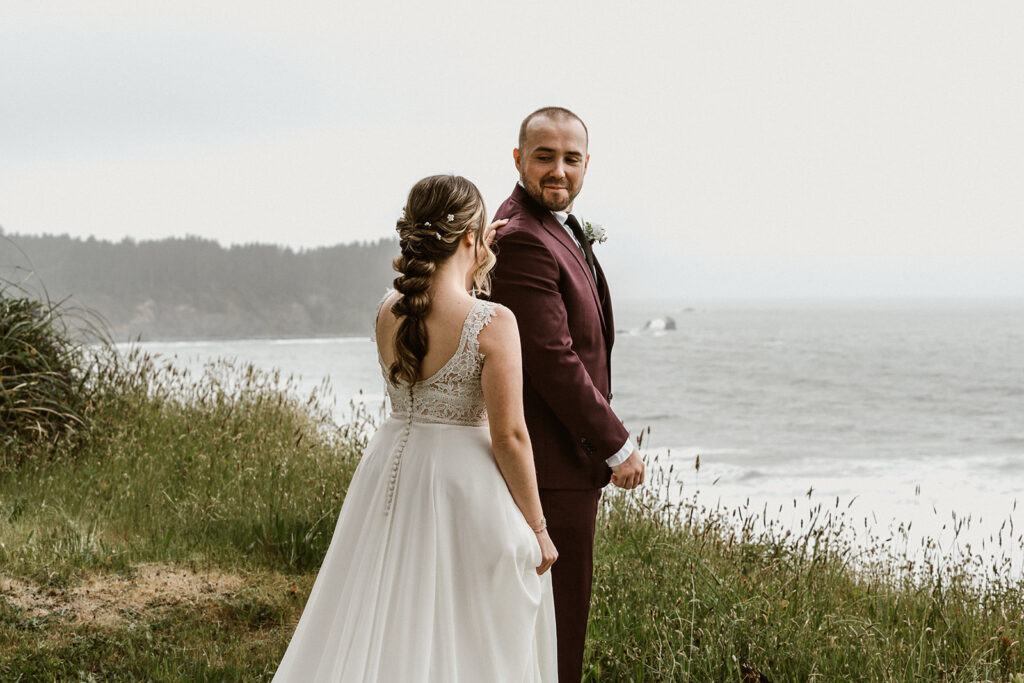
[195, 288]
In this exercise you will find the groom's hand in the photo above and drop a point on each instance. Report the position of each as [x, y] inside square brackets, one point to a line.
[630, 473]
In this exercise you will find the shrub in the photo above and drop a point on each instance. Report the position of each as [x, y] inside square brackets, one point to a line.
[44, 372]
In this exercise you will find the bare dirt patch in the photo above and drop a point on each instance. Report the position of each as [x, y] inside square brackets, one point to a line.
[106, 600]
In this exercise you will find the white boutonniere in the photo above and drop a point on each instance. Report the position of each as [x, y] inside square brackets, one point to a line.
[594, 232]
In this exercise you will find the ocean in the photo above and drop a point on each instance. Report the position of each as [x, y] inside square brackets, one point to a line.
[899, 414]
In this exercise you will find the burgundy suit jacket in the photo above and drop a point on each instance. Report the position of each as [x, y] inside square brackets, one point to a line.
[567, 331]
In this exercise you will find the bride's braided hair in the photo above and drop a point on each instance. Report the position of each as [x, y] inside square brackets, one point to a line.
[440, 209]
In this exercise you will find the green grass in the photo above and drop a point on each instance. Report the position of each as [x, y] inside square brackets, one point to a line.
[230, 468]
[232, 473]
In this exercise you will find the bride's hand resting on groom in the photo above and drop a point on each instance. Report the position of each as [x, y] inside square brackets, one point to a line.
[491, 231]
[630, 473]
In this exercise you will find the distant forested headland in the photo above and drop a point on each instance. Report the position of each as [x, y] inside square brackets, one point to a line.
[194, 288]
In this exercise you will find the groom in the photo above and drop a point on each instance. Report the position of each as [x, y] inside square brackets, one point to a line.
[548, 275]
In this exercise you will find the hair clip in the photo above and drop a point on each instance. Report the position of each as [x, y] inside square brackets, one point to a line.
[426, 223]
[451, 217]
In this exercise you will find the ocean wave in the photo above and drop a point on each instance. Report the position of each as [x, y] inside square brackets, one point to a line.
[320, 341]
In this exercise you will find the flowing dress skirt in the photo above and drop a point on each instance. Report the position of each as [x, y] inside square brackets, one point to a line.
[440, 584]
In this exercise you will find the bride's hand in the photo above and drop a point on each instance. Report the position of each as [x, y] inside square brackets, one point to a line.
[491, 230]
[548, 553]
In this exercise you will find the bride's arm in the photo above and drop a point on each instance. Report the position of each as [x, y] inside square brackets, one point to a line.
[502, 381]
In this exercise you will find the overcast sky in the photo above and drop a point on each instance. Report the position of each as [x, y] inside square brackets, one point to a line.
[755, 149]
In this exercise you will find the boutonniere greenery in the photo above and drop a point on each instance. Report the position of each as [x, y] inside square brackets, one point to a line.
[594, 232]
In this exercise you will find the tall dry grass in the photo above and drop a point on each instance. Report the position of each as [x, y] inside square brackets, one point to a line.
[684, 592]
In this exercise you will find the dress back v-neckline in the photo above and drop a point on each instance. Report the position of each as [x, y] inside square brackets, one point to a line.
[459, 349]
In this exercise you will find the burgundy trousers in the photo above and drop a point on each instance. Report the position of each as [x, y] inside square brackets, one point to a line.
[571, 515]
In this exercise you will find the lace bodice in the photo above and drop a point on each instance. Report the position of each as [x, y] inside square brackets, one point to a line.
[453, 394]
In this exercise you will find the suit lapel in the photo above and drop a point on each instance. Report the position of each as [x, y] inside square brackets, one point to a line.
[552, 225]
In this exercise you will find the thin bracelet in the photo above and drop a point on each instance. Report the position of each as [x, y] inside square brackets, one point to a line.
[543, 526]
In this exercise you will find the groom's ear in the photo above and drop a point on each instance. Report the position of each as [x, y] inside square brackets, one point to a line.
[518, 159]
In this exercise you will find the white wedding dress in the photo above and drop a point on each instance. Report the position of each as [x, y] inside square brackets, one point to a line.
[431, 573]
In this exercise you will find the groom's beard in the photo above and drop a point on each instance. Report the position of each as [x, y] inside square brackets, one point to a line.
[551, 203]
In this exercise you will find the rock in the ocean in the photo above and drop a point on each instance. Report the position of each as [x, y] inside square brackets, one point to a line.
[660, 324]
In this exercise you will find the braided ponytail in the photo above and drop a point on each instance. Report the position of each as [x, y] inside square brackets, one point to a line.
[411, 308]
[439, 210]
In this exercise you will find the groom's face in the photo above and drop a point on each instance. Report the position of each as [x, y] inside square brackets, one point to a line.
[553, 161]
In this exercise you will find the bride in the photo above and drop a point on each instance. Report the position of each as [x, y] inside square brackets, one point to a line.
[437, 570]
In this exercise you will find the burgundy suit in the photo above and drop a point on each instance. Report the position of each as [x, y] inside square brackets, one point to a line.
[567, 331]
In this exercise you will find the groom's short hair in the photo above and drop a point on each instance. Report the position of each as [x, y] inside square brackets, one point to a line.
[554, 113]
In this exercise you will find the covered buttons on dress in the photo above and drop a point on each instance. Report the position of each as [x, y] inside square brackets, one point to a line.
[396, 463]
